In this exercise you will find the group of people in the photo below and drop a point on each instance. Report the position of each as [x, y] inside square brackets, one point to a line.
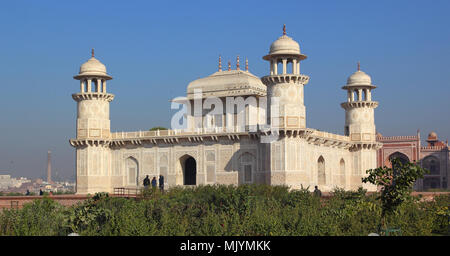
[41, 193]
[153, 182]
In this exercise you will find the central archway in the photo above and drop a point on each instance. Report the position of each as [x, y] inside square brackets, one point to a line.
[400, 156]
[189, 171]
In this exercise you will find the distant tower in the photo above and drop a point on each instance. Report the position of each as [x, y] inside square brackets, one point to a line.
[49, 167]
[93, 128]
[286, 84]
[360, 124]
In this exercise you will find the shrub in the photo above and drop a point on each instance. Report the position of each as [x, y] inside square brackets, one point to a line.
[39, 218]
[221, 210]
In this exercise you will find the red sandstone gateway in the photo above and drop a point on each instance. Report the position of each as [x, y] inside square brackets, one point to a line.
[434, 157]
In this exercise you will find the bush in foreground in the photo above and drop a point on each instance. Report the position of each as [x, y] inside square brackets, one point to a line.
[226, 210]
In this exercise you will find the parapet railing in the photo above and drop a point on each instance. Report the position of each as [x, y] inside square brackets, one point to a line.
[330, 135]
[215, 130]
[181, 132]
[382, 138]
[433, 147]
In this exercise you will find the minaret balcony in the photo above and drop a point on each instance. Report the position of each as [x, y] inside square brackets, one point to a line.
[93, 96]
[80, 143]
[285, 78]
[359, 104]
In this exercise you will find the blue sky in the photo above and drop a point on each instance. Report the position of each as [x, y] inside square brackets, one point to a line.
[154, 49]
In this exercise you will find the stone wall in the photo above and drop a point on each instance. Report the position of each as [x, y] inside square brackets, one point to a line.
[69, 200]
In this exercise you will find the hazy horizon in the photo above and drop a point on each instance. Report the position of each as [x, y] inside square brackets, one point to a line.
[153, 50]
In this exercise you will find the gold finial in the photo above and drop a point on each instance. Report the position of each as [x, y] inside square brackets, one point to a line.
[284, 29]
[359, 66]
[237, 63]
[246, 64]
[92, 52]
[220, 63]
[229, 65]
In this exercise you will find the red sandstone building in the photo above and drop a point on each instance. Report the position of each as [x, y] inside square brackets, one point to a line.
[435, 157]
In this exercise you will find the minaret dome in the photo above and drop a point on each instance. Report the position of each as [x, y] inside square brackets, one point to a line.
[93, 76]
[93, 68]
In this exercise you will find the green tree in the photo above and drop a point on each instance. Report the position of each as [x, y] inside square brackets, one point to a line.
[156, 128]
[396, 184]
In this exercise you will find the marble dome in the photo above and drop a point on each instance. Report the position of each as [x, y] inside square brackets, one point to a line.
[92, 65]
[359, 78]
[228, 83]
[94, 68]
[284, 45]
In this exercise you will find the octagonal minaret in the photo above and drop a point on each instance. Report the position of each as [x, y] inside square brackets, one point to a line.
[93, 100]
[359, 108]
[285, 84]
[93, 128]
[360, 126]
[285, 108]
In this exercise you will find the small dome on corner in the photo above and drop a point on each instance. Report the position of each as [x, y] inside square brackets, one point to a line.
[432, 136]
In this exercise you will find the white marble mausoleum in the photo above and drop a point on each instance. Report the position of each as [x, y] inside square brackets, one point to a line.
[260, 134]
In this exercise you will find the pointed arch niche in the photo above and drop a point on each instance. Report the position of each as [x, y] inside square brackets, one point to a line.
[186, 171]
[132, 171]
[321, 178]
[342, 172]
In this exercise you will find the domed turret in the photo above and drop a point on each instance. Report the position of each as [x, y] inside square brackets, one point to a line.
[93, 128]
[92, 76]
[285, 84]
[359, 108]
[284, 45]
[93, 68]
[359, 78]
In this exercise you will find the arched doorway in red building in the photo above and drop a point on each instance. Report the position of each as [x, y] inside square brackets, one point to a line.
[402, 157]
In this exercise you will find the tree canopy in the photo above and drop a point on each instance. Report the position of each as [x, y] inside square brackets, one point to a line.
[156, 128]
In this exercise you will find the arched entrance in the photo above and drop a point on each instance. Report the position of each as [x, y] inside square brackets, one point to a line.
[402, 157]
[189, 171]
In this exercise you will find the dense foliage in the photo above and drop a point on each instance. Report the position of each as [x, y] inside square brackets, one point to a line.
[226, 210]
